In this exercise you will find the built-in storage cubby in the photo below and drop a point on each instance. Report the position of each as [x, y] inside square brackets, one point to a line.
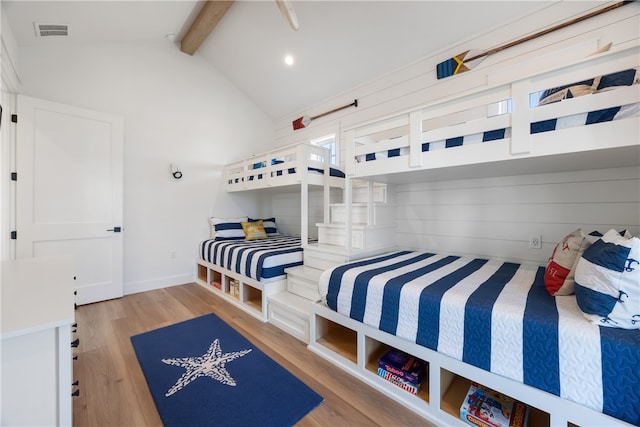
[356, 348]
[251, 297]
[454, 394]
[374, 350]
[246, 293]
[337, 338]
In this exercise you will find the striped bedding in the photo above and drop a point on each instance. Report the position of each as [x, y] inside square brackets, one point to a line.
[497, 316]
[262, 260]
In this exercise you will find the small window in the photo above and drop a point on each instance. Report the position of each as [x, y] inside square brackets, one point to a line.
[329, 142]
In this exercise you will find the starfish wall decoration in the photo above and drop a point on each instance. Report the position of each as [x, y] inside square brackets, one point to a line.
[211, 364]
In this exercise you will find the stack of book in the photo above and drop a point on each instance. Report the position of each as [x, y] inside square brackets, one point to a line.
[487, 408]
[234, 288]
[403, 370]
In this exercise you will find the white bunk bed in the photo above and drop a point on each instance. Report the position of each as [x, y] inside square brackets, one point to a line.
[297, 164]
[292, 168]
[506, 115]
[502, 128]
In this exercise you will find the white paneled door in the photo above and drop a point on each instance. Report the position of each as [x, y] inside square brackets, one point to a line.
[69, 192]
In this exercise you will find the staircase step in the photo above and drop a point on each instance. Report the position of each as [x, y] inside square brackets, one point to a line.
[304, 272]
[381, 213]
[303, 281]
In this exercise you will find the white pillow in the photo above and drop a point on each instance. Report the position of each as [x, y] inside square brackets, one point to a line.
[213, 221]
[608, 281]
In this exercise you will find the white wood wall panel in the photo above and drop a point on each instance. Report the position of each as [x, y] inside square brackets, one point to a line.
[286, 209]
[495, 216]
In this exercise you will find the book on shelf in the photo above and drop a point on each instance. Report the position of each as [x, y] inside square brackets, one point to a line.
[396, 380]
[403, 365]
[485, 407]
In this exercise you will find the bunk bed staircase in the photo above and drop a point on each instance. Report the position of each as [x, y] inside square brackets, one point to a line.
[361, 225]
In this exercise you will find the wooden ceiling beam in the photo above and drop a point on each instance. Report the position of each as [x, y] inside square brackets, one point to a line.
[211, 13]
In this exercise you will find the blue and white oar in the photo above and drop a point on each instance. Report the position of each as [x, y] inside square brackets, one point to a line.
[469, 59]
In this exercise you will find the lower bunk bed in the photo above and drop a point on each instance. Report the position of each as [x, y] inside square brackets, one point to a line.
[477, 320]
[247, 272]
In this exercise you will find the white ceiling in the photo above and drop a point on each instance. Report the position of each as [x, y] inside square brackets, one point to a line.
[340, 44]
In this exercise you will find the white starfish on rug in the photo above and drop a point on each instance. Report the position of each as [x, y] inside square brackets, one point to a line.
[211, 364]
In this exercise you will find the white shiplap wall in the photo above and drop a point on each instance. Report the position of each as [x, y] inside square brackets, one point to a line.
[491, 216]
[495, 216]
[287, 210]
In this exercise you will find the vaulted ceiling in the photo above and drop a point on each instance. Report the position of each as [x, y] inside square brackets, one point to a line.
[340, 44]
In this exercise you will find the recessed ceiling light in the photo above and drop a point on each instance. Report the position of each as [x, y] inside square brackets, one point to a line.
[288, 60]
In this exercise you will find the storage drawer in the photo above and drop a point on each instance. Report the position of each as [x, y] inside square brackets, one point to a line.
[322, 260]
[336, 236]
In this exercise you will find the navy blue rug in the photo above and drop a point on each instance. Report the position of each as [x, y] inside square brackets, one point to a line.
[202, 372]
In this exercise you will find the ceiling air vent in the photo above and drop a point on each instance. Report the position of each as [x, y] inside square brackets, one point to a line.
[46, 30]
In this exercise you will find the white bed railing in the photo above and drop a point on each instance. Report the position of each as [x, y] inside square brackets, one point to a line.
[299, 165]
[281, 166]
[412, 140]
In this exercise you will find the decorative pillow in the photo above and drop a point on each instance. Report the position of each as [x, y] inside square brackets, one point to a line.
[226, 228]
[568, 91]
[621, 78]
[558, 277]
[269, 226]
[608, 281]
[254, 230]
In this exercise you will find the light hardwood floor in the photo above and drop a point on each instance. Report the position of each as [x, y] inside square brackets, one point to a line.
[113, 391]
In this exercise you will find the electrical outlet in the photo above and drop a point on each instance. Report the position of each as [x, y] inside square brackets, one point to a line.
[535, 241]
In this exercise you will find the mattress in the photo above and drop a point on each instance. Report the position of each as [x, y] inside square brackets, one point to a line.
[497, 316]
[261, 260]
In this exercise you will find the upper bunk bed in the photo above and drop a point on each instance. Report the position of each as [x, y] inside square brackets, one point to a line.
[584, 115]
[292, 165]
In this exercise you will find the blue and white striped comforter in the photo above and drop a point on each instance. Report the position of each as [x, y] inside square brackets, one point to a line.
[496, 316]
[262, 260]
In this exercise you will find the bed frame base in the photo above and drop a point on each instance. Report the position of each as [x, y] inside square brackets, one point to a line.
[251, 296]
[356, 348]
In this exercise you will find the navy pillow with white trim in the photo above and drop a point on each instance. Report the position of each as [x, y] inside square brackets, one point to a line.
[229, 231]
[608, 281]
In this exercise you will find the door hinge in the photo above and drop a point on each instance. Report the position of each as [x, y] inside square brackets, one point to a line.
[14, 118]
[14, 176]
[14, 235]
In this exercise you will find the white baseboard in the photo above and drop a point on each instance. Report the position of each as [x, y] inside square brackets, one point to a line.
[157, 283]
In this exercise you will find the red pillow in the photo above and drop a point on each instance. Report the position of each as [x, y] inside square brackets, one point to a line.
[558, 277]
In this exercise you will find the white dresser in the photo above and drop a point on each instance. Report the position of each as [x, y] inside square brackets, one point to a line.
[37, 313]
